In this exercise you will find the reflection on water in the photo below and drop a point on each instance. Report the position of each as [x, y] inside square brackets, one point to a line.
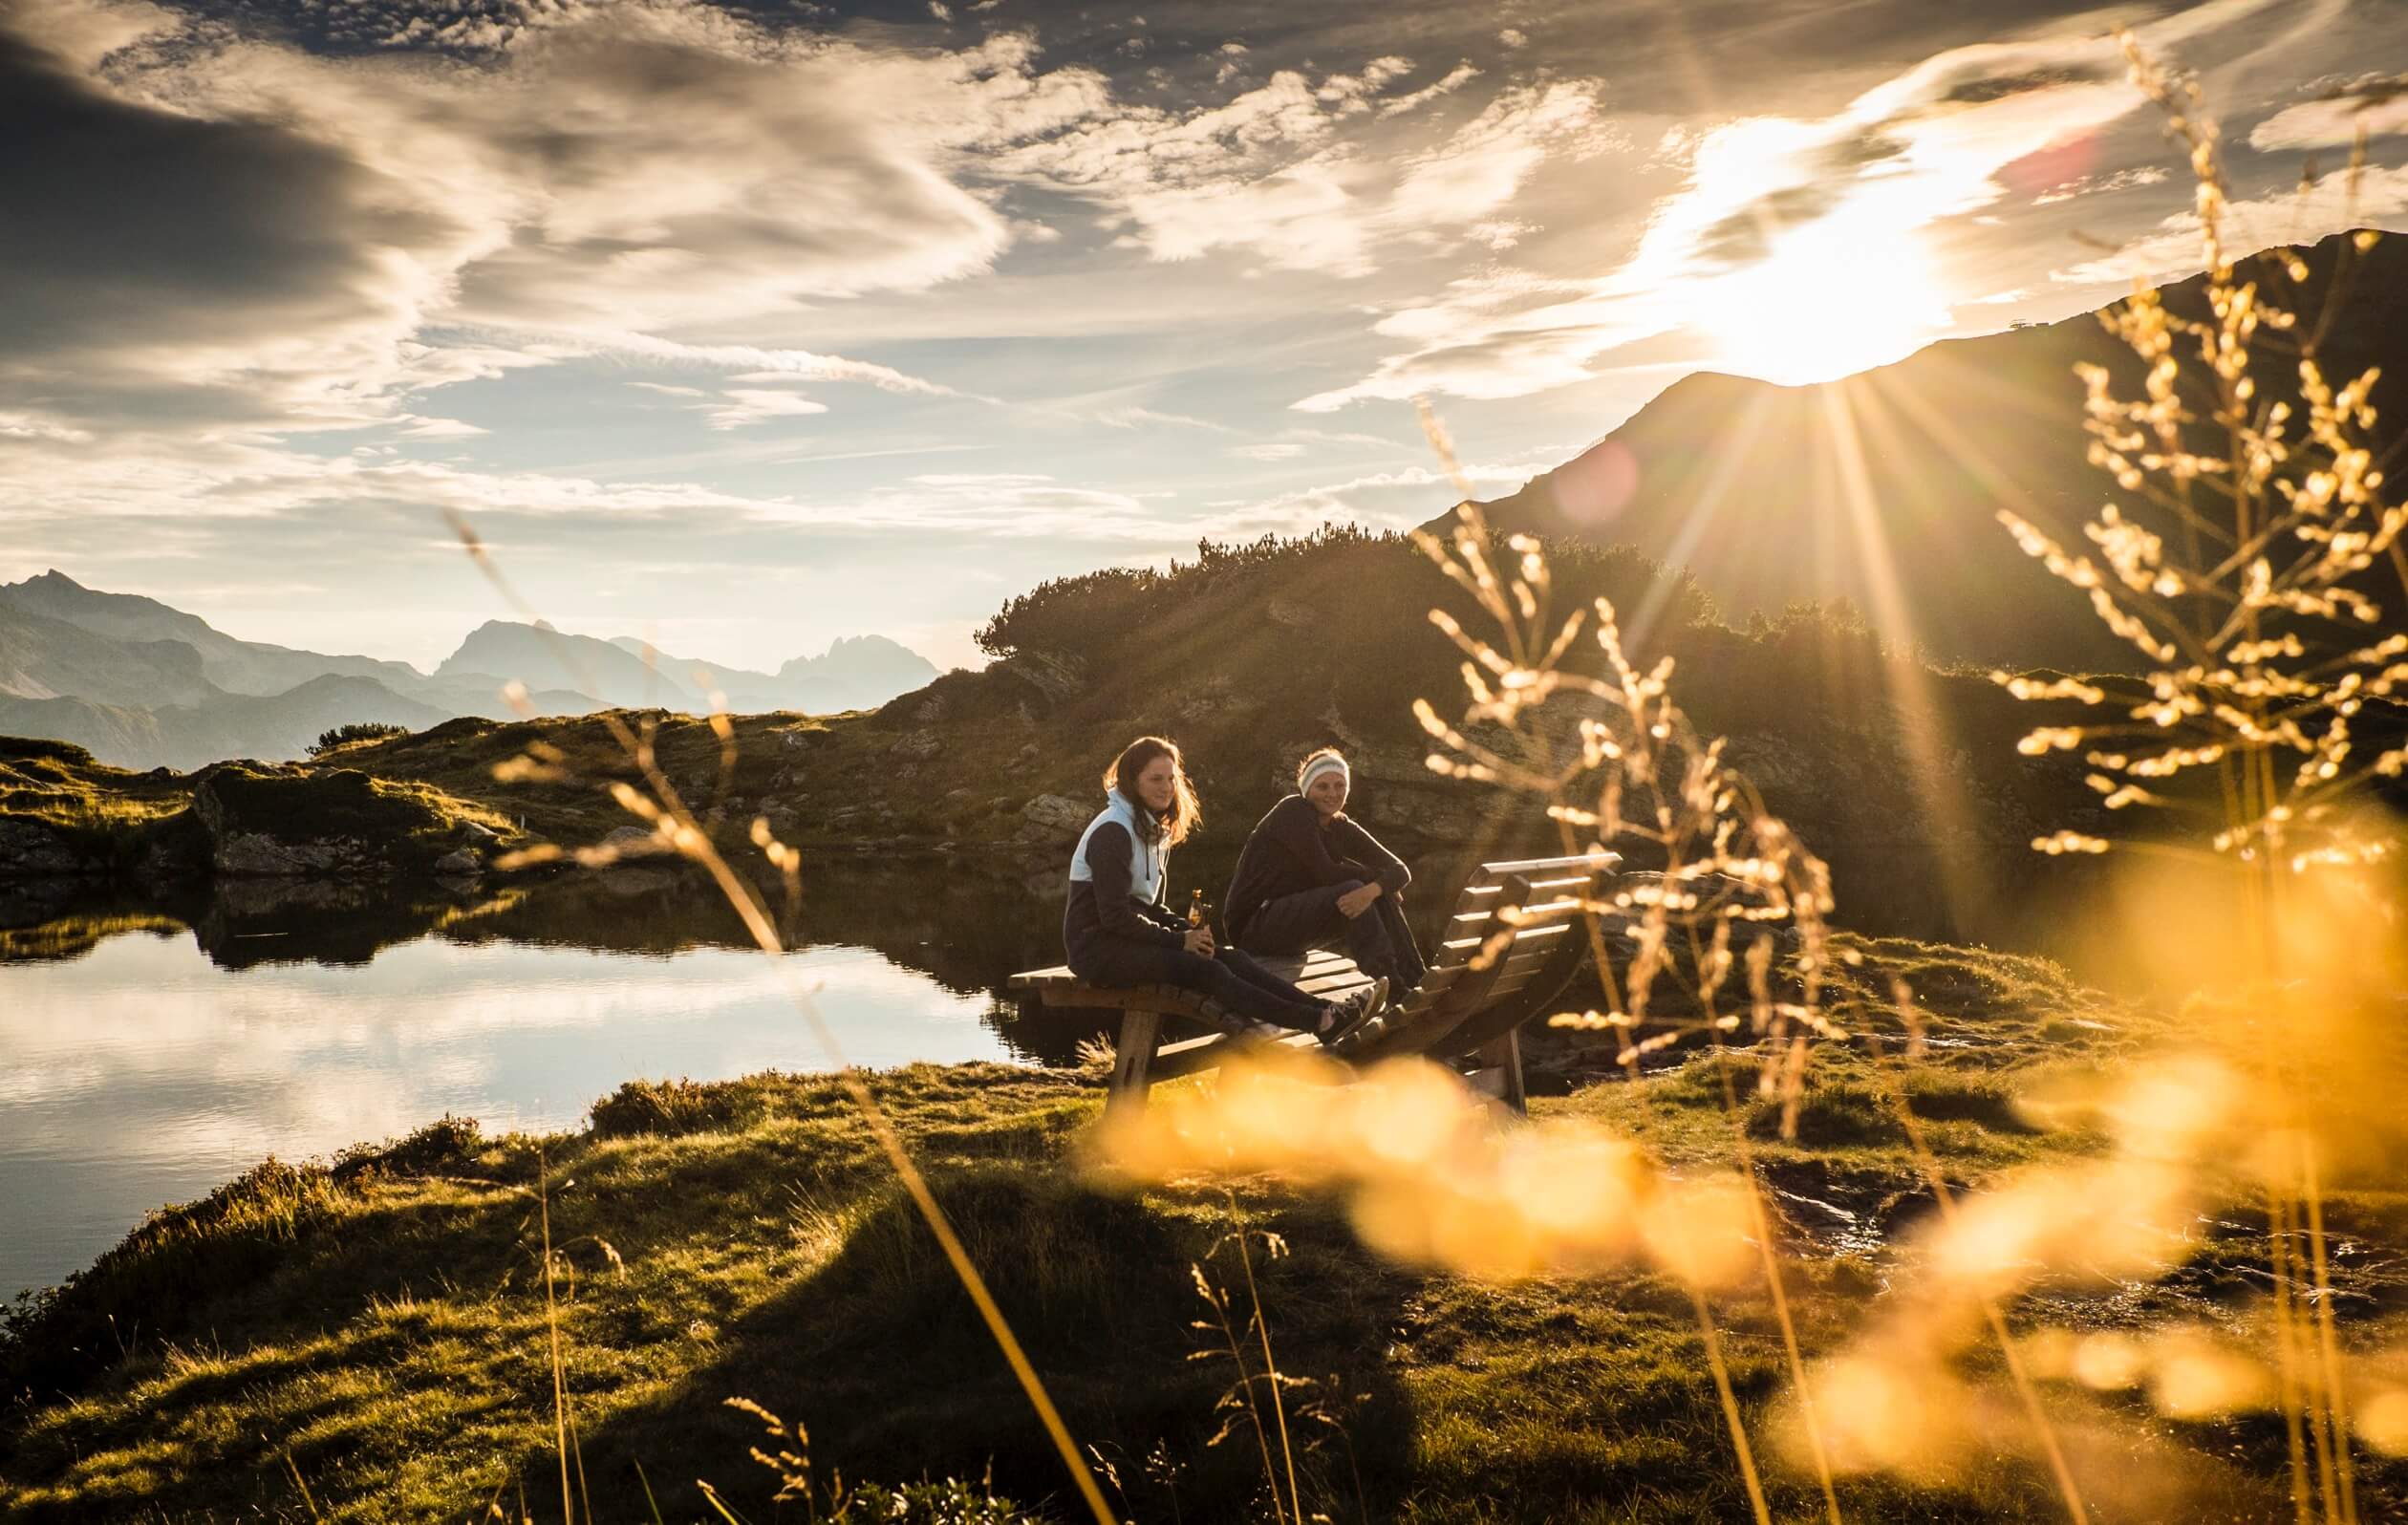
[147, 1056]
[150, 1051]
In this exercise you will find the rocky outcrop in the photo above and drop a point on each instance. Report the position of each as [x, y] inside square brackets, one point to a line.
[1053, 818]
[290, 822]
[30, 849]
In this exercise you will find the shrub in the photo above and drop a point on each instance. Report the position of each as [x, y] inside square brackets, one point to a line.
[357, 731]
[679, 1106]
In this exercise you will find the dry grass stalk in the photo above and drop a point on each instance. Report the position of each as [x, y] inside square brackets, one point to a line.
[2241, 567]
[677, 828]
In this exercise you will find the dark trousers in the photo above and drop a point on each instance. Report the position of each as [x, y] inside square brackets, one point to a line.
[1378, 941]
[1230, 980]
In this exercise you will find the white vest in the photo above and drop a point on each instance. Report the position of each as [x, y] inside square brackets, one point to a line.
[1144, 857]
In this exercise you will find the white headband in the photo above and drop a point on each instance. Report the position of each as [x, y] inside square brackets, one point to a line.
[1324, 764]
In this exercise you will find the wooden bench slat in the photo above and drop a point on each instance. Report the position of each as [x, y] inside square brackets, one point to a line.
[1334, 987]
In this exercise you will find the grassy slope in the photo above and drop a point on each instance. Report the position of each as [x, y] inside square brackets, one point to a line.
[384, 1323]
[57, 785]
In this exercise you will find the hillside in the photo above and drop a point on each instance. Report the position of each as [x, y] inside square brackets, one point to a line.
[228, 725]
[854, 672]
[1883, 487]
[236, 666]
[1253, 656]
[142, 684]
[542, 657]
[43, 659]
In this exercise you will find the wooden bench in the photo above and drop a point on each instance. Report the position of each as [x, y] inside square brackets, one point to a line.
[1472, 1004]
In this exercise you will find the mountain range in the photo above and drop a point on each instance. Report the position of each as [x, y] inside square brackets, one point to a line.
[141, 684]
[1883, 488]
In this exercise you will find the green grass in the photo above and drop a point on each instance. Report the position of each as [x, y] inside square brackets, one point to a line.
[110, 814]
[381, 1319]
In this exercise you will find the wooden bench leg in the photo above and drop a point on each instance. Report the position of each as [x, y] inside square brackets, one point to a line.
[1504, 1055]
[1132, 1058]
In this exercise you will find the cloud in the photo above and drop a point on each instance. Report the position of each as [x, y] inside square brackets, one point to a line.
[2172, 248]
[1795, 246]
[1269, 173]
[332, 214]
[1131, 418]
[800, 365]
[2103, 184]
[2379, 111]
[1377, 500]
[745, 405]
[418, 428]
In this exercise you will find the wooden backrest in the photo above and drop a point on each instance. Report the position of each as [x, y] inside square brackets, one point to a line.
[1540, 899]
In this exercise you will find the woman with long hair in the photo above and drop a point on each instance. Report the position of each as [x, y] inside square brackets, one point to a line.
[1118, 930]
[1311, 876]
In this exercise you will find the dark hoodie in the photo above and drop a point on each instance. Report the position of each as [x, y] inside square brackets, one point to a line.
[1293, 850]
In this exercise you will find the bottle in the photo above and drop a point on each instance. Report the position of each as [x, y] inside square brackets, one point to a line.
[1195, 908]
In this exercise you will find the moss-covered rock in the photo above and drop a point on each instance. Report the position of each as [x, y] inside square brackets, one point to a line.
[339, 823]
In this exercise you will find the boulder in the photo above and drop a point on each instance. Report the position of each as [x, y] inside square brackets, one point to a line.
[1052, 817]
[919, 745]
[1056, 678]
[463, 864]
[30, 849]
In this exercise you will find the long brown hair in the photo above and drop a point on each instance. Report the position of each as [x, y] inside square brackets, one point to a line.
[1186, 812]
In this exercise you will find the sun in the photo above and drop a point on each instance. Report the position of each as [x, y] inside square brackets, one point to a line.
[1829, 300]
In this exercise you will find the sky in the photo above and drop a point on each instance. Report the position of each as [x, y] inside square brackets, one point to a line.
[748, 327]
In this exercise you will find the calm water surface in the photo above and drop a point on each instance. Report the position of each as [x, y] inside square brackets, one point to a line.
[145, 1066]
[151, 1053]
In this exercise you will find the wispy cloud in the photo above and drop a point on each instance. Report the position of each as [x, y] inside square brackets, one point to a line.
[2172, 248]
[754, 404]
[2379, 109]
[1133, 418]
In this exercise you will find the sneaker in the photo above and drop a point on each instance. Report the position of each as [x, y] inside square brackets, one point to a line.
[1353, 1013]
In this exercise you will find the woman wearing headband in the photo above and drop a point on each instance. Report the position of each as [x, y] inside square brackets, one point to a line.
[1311, 876]
[1118, 932]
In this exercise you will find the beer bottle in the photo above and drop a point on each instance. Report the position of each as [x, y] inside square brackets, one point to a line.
[1195, 908]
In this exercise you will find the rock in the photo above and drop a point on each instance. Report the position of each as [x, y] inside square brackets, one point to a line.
[1208, 698]
[341, 823]
[1057, 678]
[920, 744]
[1294, 617]
[931, 710]
[464, 863]
[256, 853]
[30, 850]
[1054, 817]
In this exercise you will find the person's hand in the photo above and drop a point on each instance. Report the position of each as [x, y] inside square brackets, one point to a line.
[1199, 941]
[1355, 902]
